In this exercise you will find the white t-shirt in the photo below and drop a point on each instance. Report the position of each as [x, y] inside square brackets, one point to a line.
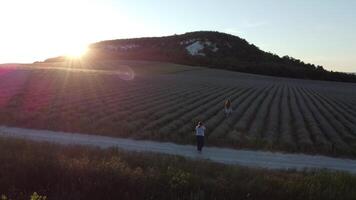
[228, 110]
[199, 131]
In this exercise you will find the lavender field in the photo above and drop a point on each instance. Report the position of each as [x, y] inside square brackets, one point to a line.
[164, 102]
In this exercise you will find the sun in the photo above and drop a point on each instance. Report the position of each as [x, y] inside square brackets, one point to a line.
[76, 51]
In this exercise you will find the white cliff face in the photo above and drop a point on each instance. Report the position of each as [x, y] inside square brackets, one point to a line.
[196, 46]
[194, 49]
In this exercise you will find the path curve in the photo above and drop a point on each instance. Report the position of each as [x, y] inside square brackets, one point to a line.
[256, 159]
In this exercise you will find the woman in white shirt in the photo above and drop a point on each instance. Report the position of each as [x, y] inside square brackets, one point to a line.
[199, 132]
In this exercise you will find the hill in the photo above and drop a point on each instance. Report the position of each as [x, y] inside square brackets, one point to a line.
[212, 49]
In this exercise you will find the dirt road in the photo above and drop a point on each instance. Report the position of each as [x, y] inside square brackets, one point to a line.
[257, 159]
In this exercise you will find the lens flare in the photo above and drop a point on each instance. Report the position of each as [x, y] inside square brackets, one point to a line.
[126, 73]
[76, 51]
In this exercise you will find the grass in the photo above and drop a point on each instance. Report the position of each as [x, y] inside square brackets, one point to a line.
[78, 172]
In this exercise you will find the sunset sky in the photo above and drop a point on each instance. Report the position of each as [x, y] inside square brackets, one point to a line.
[317, 31]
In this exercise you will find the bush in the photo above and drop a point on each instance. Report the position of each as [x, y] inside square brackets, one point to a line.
[74, 172]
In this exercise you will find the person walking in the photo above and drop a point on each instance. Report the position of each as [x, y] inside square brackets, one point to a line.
[199, 132]
[227, 108]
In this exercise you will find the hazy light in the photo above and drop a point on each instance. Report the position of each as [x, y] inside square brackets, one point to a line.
[39, 29]
[76, 52]
[321, 32]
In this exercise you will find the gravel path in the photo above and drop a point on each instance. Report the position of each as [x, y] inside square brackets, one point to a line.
[257, 159]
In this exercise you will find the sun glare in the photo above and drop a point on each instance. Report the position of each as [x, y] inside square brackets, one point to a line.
[50, 33]
[76, 52]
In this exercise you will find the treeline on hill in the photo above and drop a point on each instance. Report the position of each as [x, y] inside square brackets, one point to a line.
[75, 172]
[232, 53]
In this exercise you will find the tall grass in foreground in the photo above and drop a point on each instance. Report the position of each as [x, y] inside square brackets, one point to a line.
[77, 172]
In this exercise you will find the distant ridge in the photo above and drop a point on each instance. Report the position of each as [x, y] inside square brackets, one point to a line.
[212, 49]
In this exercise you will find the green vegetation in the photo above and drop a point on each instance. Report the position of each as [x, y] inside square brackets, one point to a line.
[75, 172]
[222, 51]
[34, 196]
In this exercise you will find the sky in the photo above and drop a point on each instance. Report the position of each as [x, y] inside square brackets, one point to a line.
[322, 32]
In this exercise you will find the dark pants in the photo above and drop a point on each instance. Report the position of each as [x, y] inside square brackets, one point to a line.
[200, 142]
